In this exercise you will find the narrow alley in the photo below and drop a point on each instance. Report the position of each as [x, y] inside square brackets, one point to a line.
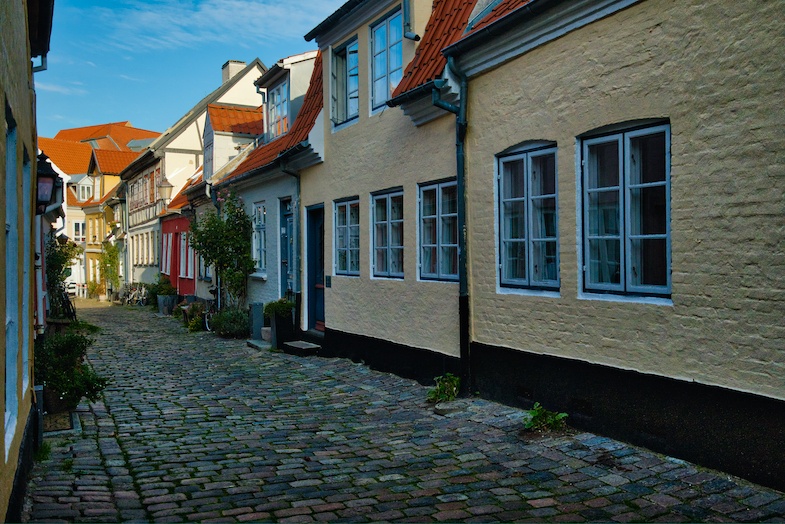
[197, 428]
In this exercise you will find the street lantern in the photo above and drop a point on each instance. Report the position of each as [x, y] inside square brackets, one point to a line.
[47, 177]
[165, 189]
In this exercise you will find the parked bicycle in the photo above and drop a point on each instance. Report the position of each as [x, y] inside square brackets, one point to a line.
[137, 296]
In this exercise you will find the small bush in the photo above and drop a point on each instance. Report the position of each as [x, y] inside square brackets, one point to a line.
[82, 328]
[281, 307]
[196, 323]
[446, 389]
[60, 366]
[542, 419]
[231, 323]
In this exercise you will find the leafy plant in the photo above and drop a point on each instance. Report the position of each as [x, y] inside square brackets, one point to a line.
[60, 253]
[60, 367]
[231, 323]
[223, 239]
[109, 263]
[281, 307]
[177, 312]
[94, 288]
[196, 323]
[447, 387]
[43, 452]
[82, 327]
[542, 419]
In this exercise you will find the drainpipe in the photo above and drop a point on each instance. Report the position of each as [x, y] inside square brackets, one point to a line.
[461, 125]
[296, 234]
[40, 326]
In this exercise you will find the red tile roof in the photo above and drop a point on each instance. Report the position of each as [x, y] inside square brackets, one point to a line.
[303, 124]
[115, 135]
[504, 8]
[448, 21]
[72, 200]
[112, 162]
[73, 158]
[236, 119]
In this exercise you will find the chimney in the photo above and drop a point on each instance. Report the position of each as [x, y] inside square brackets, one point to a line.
[231, 68]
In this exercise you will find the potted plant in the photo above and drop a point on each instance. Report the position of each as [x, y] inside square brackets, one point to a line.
[281, 315]
[167, 295]
[61, 368]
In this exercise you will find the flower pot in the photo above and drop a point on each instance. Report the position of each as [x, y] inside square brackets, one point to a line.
[166, 304]
[54, 404]
[282, 330]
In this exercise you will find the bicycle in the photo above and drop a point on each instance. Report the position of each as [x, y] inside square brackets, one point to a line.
[137, 296]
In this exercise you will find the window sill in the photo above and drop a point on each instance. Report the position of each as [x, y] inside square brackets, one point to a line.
[258, 276]
[549, 293]
[632, 299]
[345, 124]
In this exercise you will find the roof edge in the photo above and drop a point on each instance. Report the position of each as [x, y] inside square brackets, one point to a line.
[334, 19]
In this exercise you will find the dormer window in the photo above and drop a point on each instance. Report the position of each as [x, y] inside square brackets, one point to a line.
[387, 62]
[346, 85]
[278, 109]
[85, 192]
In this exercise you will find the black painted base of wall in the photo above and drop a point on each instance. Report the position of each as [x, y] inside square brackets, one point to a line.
[24, 466]
[418, 364]
[739, 433]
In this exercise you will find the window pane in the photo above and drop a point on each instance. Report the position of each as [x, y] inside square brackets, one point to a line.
[351, 56]
[429, 231]
[354, 260]
[380, 66]
[449, 230]
[544, 266]
[379, 38]
[354, 213]
[604, 261]
[544, 218]
[396, 261]
[514, 183]
[396, 207]
[395, 78]
[354, 237]
[341, 215]
[396, 57]
[449, 261]
[515, 260]
[514, 220]
[647, 159]
[396, 234]
[381, 261]
[543, 175]
[380, 91]
[649, 262]
[648, 211]
[396, 28]
[429, 260]
[381, 235]
[380, 209]
[429, 202]
[342, 261]
[449, 200]
[604, 213]
[603, 165]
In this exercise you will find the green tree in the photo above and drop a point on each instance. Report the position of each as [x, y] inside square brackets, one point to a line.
[109, 262]
[223, 239]
[59, 254]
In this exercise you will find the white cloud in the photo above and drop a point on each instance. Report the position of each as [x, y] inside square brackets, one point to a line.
[139, 25]
[59, 88]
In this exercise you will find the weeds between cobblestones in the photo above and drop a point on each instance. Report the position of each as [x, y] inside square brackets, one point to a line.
[195, 428]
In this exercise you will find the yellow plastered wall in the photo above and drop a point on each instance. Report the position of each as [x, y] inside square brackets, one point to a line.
[714, 69]
[380, 151]
[17, 94]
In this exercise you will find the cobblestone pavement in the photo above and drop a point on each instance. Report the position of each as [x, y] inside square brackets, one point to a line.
[195, 428]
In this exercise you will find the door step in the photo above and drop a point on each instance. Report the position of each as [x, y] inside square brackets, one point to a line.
[301, 348]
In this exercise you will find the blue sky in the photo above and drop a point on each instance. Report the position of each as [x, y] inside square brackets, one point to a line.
[150, 61]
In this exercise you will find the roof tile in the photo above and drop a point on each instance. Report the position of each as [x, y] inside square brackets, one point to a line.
[236, 119]
[448, 21]
[112, 162]
[115, 135]
[73, 158]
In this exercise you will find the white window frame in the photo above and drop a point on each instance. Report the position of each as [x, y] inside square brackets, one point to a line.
[183, 256]
[343, 70]
[627, 284]
[383, 234]
[439, 245]
[278, 109]
[391, 74]
[530, 218]
[259, 237]
[343, 209]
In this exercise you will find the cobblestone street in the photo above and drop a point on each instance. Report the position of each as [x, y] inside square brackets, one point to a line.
[197, 428]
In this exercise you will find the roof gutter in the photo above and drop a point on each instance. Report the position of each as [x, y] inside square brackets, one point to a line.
[461, 125]
[334, 19]
[286, 154]
[530, 10]
[416, 93]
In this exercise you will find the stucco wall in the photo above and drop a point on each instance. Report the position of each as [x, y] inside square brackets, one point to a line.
[714, 69]
[380, 151]
[17, 95]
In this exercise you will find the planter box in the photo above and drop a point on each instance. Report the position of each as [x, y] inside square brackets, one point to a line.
[282, 330]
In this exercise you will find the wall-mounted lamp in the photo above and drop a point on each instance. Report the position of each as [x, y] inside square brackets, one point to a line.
[46, 177]
[165, 190]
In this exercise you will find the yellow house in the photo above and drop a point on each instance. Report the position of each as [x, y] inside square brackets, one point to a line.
[100, 220]
[380, 213]
[625, 216]
[25, 28]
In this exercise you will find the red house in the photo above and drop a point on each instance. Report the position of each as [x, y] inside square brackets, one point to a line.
[178, 259]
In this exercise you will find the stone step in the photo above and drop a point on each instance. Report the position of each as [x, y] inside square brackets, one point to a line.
[301, 348]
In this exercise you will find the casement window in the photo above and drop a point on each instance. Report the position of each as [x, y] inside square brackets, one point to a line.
[85, 192]
[528, 229]
[259, 237]
[79, 232]
[388, 235]
[439, 231]
[345, 84]
[278, 109]
[183, 255]
[347, 237]
[12, 281]
[387, 59]
[626, 212]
